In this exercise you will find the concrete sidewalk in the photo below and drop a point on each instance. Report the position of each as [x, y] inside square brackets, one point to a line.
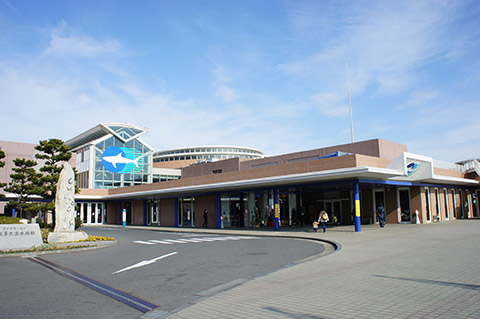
[401, 271]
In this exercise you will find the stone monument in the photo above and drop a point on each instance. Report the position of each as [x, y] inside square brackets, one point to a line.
[65, 209]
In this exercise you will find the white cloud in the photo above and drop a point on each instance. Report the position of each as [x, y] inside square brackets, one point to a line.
[331, 104]
[65, 42]
[221, 84]
[227, 93]
[422, 97]
[384, 44]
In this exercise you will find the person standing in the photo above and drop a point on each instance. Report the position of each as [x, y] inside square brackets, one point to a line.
[205, 219]
[323, 219]
[381, 214]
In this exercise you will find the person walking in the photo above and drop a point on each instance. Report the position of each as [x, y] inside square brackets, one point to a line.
[381, 214]
[323, 219]
[205, 219]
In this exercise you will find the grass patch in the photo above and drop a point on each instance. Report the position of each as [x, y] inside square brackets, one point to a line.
[9, 220]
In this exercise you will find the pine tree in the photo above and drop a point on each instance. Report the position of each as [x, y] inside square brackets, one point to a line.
[54, 152]
[2, 164]
[24, 184]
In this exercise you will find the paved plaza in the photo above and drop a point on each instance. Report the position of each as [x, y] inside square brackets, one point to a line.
[401, 271]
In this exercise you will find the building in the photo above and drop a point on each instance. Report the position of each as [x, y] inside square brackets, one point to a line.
[185, 156]
[111, 156]
[345, 180]
[291, 189]
[14, 150]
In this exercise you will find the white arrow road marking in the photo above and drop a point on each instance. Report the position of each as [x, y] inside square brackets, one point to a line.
[145, 262]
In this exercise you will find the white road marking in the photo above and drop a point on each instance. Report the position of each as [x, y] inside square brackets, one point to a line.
[204, 239]
[143, 242]
[191, 240]
[160, 241]
[196, 240]
[175, 241]
[145, 262]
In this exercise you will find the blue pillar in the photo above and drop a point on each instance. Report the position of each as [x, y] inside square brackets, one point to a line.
[219, 212]
[144, 212]
[176, 212]
[356, 198]
[13, 212]
[124, 218]
[276, 211]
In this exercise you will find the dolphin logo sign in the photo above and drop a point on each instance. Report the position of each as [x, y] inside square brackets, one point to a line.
[120, 160]
[412, 167]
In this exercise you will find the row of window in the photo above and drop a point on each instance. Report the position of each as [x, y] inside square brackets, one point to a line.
[199, 150]
[162, 177]
[203, 157]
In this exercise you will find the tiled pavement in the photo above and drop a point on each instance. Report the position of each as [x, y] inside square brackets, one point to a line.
[401, 271]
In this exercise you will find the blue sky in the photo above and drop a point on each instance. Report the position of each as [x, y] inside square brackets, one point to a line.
[264, 74]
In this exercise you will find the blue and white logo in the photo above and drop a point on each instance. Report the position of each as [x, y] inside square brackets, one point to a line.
[412, 167]
[120, 160]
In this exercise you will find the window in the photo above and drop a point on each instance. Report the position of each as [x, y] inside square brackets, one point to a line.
[427, 198]
[446, 204]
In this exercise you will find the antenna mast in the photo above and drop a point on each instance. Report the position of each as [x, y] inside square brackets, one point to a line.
[350, 104]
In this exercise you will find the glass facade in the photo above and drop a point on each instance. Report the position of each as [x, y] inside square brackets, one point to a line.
[136, 163]
[250, 209]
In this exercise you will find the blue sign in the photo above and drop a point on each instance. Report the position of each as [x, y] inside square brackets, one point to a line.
[412, 167]
[120, 160]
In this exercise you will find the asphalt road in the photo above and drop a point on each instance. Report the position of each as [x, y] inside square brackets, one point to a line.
[171, 271]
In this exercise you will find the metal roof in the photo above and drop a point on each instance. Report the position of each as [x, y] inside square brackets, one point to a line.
[122, 131]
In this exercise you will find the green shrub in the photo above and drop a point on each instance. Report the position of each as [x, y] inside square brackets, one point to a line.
[9, 220]
[45, 233]
[78, 222]
[44, 225]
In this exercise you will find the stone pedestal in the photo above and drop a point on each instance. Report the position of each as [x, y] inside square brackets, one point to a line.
[68, 236]
[65, 209]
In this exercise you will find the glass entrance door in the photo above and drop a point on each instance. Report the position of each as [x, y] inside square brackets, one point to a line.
[427, 204]
[128, 208]
[153, 212]
[186, 212]
[404, 196]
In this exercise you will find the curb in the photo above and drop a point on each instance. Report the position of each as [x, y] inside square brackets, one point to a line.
[67, 247]
[337, 246]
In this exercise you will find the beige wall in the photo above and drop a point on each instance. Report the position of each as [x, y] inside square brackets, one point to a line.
[417, 195]
[167, 212]
[112, 212]
[375, 148]
[14, 150]
[368, 207]
[174, 164]
[137, 213]
[391, 205]
[208, 168]
[209, 203]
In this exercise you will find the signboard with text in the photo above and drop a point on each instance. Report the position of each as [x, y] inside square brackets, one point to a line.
[19, 236]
